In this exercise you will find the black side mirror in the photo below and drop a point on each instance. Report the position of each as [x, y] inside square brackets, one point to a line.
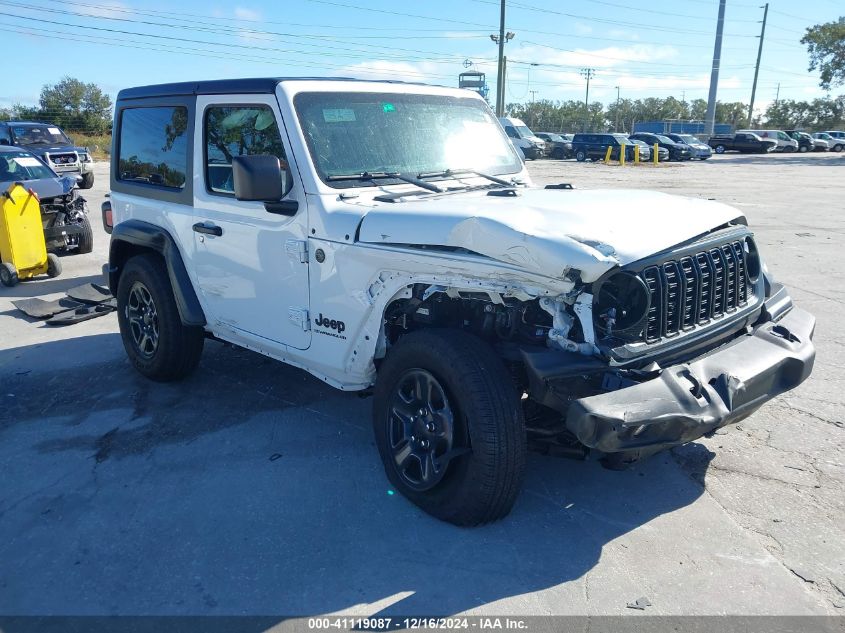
[260, 178]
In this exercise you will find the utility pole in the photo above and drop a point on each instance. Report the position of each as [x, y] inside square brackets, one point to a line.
[757, 68]
[710, 118]
[500, 102]
[587, 73]
[777, 94]
[616, 124]
[500, 39]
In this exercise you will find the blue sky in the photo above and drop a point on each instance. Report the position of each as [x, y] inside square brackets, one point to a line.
[648, 49]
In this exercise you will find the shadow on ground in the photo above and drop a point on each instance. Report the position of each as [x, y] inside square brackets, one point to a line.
[253, 488]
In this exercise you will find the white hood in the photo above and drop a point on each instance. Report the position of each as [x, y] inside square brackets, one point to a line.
[549, 231]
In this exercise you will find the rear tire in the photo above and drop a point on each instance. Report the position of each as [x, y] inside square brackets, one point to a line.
[158, 344]
[484, 456]
[8, 275]
[54, 265]
[86, 237]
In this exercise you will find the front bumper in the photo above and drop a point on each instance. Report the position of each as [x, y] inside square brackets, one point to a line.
[692, 399]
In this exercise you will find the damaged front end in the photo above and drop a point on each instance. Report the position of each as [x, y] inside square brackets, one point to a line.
[669, 348]
[64, 216]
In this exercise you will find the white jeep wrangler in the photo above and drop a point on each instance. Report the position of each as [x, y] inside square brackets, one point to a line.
[386, 235]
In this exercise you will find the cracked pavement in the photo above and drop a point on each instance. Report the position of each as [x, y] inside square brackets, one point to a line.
[252, 488]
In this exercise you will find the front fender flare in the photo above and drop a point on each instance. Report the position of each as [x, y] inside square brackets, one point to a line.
[133, 237]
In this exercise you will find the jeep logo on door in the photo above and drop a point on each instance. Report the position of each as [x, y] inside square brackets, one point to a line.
[338, 326]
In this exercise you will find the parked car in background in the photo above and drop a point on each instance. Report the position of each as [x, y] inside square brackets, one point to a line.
[646, 150]
[52, 146]
[64, 214]
[557, 145]
[743, 142]
[522, 137]
[805, 141]
[834, 144]
[677, 151]
[699, 150]
[785, 143]
[594, 146]
[839, 135]
[820, 145]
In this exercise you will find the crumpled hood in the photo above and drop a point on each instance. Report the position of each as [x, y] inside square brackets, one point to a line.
[548, 231]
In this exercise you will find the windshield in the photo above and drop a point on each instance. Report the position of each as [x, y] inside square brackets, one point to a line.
[823, 136]
[523, 131]
[38, 135]
[663, 139]
[20, 167]
[354, 133]
[557, 138]
[689, 139]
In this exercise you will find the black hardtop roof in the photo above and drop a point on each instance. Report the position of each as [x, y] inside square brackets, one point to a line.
[257, 85]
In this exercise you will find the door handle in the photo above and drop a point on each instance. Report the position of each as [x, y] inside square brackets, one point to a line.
[208, 228]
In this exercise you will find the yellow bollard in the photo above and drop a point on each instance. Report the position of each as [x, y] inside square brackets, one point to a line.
[636, 153]
[654, 156]
[622, 155]
[607, 155]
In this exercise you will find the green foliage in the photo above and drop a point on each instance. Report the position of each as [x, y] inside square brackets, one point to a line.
[818, 114]
[72, 105]
[826, 47]
[569, 116]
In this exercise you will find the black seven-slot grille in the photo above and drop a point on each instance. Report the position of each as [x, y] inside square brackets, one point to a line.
[694, 290]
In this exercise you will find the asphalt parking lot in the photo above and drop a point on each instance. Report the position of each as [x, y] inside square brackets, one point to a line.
[252, 488]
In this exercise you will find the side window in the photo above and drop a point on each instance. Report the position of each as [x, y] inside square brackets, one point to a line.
[153, 146]
[237, 131]
[511, 132]
[5, 137]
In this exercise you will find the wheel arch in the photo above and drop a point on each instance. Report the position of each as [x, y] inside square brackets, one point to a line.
[134, 237]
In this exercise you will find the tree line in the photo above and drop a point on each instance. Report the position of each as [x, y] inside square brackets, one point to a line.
[70, 104]
[572, 116]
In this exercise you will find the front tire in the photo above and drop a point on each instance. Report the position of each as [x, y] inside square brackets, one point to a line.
[157, 343]
[449, 426]
[580, 156]
[8, 274]
[86, 237]
[87, 180]
[720, 149]
[54, 265]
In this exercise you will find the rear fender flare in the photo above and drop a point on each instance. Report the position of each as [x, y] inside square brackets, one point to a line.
[133, 237]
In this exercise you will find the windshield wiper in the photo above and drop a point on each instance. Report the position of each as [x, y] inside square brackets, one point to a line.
[377, 175]
[447, 173]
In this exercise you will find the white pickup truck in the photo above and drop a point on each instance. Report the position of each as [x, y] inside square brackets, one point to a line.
[386, 238]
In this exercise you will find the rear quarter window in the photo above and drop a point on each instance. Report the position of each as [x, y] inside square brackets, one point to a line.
[153, 147]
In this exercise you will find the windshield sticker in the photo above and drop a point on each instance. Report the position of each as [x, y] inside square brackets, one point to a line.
[27, 161]
[338, 115]
[388, 107]
[54, 130]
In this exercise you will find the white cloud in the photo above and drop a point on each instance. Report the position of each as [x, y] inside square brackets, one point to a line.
[112, 9]
[250, 15]
[583, 29]
[384, 69]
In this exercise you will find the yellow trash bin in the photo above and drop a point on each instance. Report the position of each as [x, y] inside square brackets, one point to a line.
[23, 251]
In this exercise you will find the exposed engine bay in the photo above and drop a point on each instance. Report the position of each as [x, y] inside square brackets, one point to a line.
[66, 224]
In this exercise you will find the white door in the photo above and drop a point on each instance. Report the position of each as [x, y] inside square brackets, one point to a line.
[250, 264]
